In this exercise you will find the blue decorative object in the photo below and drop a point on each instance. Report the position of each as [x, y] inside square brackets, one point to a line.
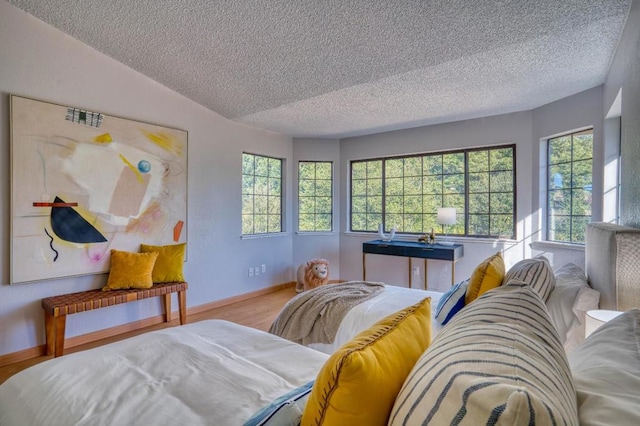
[144, 166]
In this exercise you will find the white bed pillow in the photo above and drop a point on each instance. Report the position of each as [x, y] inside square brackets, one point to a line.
[606, 373]
[568, 303]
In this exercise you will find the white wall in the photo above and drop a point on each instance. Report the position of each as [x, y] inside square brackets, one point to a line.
[40, 62]
[624, 77]
[575, 112]
[325, 245]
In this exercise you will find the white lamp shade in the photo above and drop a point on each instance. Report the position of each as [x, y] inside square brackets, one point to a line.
[447, 215]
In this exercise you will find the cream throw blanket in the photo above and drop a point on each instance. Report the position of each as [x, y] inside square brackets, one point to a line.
[315, 315]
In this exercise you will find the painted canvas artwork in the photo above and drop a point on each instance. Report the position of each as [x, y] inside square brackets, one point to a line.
[83, 183]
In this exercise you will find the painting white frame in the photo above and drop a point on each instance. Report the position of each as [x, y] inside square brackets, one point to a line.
[83, 183]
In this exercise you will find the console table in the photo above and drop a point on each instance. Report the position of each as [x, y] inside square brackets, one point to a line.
[413, 249]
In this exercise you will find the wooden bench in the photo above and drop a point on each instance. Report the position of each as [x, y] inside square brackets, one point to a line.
[57, 308]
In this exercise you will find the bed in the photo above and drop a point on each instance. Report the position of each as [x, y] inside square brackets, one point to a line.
[216, 372]
[206, 373]
[577, 289]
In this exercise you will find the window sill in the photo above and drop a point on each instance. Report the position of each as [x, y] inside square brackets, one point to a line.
[257, 236]
[318, 233]
[551, 245]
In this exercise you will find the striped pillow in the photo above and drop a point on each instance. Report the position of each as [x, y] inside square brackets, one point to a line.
[535, 272]
[499, 361]
[451, 302]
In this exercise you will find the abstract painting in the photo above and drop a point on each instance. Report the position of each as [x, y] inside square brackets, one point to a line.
[83, 182]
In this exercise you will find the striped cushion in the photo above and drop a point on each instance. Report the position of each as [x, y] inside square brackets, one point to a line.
[498, 362]
[451, 302]
[535, 272]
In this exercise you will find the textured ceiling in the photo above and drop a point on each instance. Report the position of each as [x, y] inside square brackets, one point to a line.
[337, 68]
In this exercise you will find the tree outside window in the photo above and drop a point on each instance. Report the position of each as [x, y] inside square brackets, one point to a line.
[262, 195]
[405, 192]
[569, 186]
[315, 196]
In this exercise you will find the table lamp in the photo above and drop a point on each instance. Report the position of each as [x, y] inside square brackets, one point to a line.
[446, 216]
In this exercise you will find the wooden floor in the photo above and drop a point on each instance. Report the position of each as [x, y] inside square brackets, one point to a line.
[258, 312]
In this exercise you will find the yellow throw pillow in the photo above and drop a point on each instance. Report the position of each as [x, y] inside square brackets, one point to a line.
[358, 384]
[130, 270]
[487, 275]
[168, 267]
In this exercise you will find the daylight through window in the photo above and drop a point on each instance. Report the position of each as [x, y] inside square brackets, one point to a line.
[569, 186]
[405, 192]
[262, 196]
[315, 196]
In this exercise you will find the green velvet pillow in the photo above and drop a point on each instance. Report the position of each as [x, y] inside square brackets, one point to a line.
[168, 266]
[130, 270]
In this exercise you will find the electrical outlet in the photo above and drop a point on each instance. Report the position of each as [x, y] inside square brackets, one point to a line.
[250, 272]
[264, 268]
[257, 270]
[416, 270]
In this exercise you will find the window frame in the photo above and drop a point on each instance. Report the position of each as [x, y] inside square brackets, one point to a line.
[462, 216]
[253, 194]
[315, 211]
[548, 190]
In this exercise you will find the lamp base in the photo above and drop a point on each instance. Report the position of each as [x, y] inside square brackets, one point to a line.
[446, 243]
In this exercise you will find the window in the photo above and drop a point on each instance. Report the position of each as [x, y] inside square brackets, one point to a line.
[569, 186]
[406, 192]
[262, 197]
[315, 196]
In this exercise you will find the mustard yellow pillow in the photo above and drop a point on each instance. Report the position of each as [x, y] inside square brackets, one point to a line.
[168, 267]
[487, 275]
[130, 270]
[358, 384]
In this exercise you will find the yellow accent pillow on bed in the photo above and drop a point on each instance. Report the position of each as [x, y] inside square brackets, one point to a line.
[487, 275]
[130, 270]
[168, 267]
[358, 384]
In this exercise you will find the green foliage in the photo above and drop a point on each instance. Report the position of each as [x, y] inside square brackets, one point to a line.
[261, 194]
[315, 197]
[415, 186]
[569, 183]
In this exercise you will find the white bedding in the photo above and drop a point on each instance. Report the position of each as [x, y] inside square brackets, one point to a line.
[206, 373]
[364, 315]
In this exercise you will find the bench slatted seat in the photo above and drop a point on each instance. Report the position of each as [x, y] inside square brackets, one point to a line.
[56, 308]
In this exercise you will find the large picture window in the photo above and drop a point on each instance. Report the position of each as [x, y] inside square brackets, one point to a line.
[569, 186]
[262, 195]
[315, 196]
[405, 192]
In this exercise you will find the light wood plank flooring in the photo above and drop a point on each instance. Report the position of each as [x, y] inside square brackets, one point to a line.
[258, 312]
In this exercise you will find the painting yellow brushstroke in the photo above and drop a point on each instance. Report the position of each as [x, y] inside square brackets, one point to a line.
[133, 168]
[166, 142]
[103, 138]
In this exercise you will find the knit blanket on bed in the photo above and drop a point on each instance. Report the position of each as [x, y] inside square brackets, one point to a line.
[315, 315]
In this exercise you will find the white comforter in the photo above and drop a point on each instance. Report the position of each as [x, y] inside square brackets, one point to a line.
[364, 315]
[207, 373]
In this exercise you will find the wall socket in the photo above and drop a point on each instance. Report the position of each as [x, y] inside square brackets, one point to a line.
[264, 268]
[250, 272]
[257, 270]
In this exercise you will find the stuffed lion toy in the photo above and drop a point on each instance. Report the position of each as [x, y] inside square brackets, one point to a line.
[312, 274]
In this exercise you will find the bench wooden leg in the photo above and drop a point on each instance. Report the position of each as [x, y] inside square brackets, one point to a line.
[167, 307]
[182, 306]
[50, 330]
[60, 324]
